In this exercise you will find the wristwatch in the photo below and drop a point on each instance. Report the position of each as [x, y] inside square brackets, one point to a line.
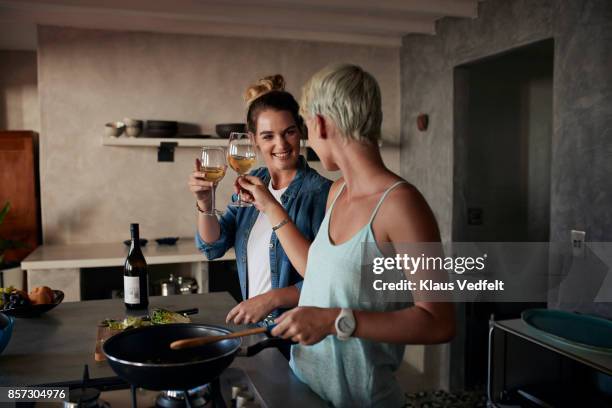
[345, 324]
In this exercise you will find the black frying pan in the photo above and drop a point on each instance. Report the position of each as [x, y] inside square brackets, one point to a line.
[143, 357]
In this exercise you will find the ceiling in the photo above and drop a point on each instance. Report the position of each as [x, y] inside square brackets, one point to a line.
[373, 22]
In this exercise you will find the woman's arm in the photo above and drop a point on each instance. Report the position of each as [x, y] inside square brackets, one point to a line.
[404, 217]
[295, 244]
[255, 309]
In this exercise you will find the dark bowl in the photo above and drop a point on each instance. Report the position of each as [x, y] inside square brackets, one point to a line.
[224, 129]
[162, 124]
[6, 330]
[161, 132]
[167, 240]
[35, 310]
[195, 136]
[143, 242]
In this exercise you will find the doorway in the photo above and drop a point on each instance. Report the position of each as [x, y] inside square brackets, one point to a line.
[501, 188]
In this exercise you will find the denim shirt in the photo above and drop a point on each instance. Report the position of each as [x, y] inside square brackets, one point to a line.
[304, 200]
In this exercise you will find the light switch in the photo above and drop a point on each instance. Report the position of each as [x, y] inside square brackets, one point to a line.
[578, 238]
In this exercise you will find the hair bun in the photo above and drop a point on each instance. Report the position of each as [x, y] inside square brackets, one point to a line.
[263, 86]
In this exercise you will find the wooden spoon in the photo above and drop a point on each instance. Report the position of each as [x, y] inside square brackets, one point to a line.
[200, 341]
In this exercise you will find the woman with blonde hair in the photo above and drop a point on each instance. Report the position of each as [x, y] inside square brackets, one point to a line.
[352, 340]
[268, 281]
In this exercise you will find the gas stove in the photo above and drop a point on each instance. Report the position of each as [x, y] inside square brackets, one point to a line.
[232, 389]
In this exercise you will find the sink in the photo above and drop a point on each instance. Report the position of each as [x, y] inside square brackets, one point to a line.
[580, 330]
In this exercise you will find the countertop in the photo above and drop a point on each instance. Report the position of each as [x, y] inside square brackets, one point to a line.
[113, 254]
[55, 347]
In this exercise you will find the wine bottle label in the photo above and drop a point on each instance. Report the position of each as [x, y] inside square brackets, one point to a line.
[131, 288]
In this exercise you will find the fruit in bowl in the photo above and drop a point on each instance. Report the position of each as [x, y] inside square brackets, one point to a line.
[12, 298]
[41, 295]
[17, 303]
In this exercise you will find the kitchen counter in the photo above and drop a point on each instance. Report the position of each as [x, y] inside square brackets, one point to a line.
[55, 347]
[59, 266]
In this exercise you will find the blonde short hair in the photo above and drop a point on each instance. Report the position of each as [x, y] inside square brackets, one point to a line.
[349, 96]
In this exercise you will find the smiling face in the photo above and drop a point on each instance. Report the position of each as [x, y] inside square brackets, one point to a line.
[278, 139]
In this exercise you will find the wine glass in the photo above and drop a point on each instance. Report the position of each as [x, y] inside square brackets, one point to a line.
[241, 157]
[213, 167]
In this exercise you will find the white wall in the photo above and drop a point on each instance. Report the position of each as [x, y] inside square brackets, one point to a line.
[90, 192]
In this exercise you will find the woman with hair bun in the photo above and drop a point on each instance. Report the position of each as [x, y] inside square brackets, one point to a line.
[268, 280]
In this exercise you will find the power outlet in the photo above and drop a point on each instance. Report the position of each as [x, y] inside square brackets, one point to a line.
[578, 238]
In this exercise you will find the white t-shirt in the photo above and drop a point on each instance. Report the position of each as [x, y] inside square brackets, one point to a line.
[258, 251]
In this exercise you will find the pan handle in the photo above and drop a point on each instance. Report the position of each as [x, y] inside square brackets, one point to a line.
[264, 344]
[270, 342]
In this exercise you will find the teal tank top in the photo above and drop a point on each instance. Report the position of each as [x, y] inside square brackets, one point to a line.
[355, 372]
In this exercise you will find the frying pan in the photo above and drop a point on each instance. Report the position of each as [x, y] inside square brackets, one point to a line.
[143, 357]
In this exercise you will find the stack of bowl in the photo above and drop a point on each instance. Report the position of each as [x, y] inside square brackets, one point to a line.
[133, 127]
[162, 128]
[114, 129]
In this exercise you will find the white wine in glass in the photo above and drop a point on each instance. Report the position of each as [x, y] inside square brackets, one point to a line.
[241, 157]
[213, 167]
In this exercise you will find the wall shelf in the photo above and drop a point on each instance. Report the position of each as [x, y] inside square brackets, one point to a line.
[156, 142]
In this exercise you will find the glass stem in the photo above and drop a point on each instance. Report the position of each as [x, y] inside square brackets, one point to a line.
[239, 195]
[212, 199]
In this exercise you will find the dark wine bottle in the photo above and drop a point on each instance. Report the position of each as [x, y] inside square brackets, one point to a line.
[135, 275]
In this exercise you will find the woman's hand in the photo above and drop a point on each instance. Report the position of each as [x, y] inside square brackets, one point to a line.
[306, 325]
[200, 188]
[255, 192]
[252, 310]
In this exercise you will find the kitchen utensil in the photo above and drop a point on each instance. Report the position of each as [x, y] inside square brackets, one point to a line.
[36, 310]
[133, 122]
[114, 129]
[166, 287]
[6, 330]
[583, 331]
[201, 341]
[133, 131]
[167, 240]
[224, 129]
[105, 332]
[142, 241]
[142, 357]
[161, 128]
[162, 124]
[186, 285]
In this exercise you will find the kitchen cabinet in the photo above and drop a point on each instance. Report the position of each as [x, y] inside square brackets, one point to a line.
[19, 186]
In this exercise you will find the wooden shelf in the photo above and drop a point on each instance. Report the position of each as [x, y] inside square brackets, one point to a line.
[155, 142]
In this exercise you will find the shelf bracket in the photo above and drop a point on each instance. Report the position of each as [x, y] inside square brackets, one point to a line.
[165, 152]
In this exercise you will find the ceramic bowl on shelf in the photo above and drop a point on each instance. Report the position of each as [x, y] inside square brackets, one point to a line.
[133, 122]
[133, 131]
[224, 129]
[114, 129]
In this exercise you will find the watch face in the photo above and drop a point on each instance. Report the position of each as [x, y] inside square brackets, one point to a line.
[346, 325]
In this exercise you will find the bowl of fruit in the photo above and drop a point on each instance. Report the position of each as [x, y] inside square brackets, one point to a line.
[17, 303]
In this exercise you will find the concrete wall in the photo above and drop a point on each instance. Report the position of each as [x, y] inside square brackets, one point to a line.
[582, 108]
[19, 108]
[90, 192]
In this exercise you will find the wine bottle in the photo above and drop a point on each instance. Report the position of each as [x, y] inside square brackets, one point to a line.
[135, 276]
